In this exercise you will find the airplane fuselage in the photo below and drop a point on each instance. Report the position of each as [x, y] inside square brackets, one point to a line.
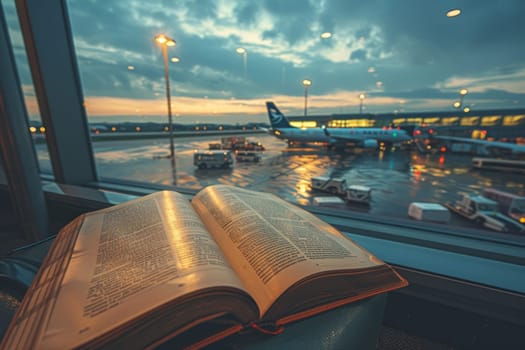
[339, 135]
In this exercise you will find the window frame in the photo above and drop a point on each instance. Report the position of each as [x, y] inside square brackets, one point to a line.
[56, 78]
[56, 72]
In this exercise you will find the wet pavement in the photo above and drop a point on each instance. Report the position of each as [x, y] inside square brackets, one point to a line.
[397, 178]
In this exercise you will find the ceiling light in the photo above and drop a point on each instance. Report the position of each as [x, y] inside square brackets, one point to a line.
[453, 13]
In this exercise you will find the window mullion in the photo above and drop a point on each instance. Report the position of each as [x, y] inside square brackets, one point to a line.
[51, 55]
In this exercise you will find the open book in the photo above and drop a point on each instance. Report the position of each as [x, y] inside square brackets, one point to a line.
[161, 267]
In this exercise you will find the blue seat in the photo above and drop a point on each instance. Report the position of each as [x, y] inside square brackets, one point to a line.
[17, 271]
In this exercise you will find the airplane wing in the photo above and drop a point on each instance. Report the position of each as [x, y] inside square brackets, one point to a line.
[514, 148]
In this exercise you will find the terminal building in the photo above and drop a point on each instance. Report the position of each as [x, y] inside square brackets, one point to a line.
[480, 124]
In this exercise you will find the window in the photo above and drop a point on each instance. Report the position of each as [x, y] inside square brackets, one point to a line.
[398, 121]
[304, 124]
[470, 121]
[491, 120]
[449, 120]
[353, 123]
[431, 120]
[36, 126]
[222, 64]
[232, 57]
[513, 120]
[415, 121]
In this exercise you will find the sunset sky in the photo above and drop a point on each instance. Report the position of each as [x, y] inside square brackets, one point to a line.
[403, 55]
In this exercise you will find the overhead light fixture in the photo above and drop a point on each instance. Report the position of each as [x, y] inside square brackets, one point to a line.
[453, 13]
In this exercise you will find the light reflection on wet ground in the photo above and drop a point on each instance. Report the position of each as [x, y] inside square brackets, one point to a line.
[396, 178]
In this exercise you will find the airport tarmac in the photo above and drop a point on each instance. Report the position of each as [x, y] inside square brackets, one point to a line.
[397, 178]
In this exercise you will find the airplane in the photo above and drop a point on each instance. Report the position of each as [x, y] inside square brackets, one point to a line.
[333, 137]
[480, 147]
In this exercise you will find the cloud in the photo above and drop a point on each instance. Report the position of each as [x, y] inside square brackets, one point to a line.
[358, 55]
[229, 110]
[508, 79]
[419, 54]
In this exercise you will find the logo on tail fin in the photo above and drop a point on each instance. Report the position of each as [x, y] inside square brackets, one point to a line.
[277, 119]
[275, 116]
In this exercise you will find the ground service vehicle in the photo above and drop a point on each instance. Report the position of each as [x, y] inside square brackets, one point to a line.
[213, 159]
[238, 143]
[485, 212]
[327, 184]
[358, 194]
[509, 203]
[248, 146]
[216, 145]
[229, 142]
[246, 156]
[514, 165]
[432, 212]
[332, 201]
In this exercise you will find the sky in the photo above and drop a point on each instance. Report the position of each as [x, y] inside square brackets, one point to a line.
[403, 55]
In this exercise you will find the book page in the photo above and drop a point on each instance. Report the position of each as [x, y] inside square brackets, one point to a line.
[272, 244]
[130, 259]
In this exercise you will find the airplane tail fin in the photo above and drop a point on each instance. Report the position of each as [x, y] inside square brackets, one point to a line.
[277, 119]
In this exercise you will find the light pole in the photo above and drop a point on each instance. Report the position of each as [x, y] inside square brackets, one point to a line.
[242, 51]
[283, 73]
[361, 98]
[462, 93]
[306, 83]
[164, 42]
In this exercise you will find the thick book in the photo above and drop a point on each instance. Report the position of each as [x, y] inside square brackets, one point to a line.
[162, 268]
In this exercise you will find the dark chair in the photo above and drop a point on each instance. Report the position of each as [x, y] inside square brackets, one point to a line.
[17, 271]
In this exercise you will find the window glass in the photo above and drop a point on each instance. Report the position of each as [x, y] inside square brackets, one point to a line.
[449, 120]
[473, 121]
[36, 127]
[514, 120]
[431, 120]
[414, 121]
[331, 67]
[491, 120]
